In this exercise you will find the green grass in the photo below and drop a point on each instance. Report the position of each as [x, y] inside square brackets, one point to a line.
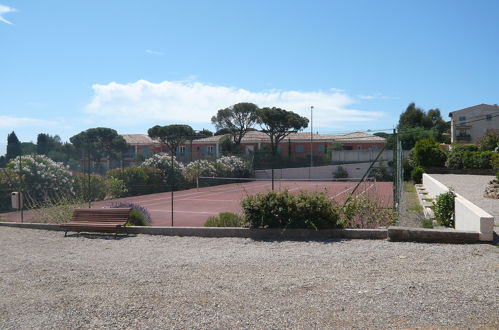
[427, 223]
[409, 187]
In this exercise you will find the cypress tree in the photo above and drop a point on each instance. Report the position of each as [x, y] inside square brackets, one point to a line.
[13, 146]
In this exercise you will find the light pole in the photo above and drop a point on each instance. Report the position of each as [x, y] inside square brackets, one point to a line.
[311, 142]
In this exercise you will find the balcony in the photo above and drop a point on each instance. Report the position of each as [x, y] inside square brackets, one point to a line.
[463, 138]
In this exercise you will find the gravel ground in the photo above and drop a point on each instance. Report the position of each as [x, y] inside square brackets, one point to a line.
[472, 188]
[93, 281]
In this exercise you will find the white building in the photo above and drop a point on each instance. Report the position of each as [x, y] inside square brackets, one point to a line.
[468, 125]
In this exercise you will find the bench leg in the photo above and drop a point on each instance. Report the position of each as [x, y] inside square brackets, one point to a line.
[65, 233]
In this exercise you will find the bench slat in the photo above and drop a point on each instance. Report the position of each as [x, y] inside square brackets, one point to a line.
[104, 220]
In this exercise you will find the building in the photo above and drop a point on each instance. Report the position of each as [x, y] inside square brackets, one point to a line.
[468, 125]
[295, 146]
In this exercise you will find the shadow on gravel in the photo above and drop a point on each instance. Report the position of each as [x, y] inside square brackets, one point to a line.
[324, 241]
[102, 236]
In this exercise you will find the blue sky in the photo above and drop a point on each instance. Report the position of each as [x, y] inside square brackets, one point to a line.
[71, 65]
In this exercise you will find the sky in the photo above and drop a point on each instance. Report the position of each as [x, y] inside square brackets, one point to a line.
[66, 66]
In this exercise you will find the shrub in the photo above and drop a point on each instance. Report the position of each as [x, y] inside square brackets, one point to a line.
[140, 180]
[163, 162]
[340, 173]
[489, 141]
[443, 207]
[199, 168]
[362, 212]
[115, 187]
[9, 182]
[494, 161]
[407, 170]
[43, 179]
[97, 190]
[233, 166]
[417, 175]
[380, 174]
[284, 210]
[427, 153]
[225, 219]
[139, 215]
[464, 158]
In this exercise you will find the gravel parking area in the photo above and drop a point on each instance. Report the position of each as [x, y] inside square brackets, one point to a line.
[472, 188]
[93, 281]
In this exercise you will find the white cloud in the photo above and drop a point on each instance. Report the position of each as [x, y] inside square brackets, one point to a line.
[153, 52]
[4, 10]
[195, 102]
[12, 122]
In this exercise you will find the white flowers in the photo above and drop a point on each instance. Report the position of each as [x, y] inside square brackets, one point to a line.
[228, 166]
[42, 176]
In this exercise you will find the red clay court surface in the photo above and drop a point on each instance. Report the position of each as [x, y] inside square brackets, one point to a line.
[192, 207]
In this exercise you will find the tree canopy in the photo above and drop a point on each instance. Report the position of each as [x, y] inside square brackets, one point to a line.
[100, 142]
[415, 124]
[46, 143]
[278, 123]
[236, 119]
[171, 135]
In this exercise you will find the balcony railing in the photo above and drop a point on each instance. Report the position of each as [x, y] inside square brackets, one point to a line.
[463, 138]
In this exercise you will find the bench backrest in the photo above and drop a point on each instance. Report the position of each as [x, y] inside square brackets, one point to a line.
[114, 215]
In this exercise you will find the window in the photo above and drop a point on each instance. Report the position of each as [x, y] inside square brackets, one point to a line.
[462, 118]
[181, 150]
[488, 117]
[211, 150]
[359, 147]
[374, 148]
[322, 148]
[131, 152]
[299, 148]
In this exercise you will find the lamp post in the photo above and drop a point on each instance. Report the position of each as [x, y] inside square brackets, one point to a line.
[311, 142]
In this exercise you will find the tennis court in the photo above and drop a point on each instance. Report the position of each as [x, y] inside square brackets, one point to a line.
[192, 207]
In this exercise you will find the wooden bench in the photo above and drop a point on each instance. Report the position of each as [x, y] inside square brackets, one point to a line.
[98, 220]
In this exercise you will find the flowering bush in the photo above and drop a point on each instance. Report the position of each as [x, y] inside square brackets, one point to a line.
[9, 182]
[43, 178]
[232, 166]
[163, 162]
[199, 168]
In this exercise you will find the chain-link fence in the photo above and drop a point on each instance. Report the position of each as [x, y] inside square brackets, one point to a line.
[187, 189]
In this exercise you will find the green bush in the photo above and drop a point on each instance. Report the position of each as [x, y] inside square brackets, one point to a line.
[494, 161]
[443, 206]
[489, 141]
[140, 180]
[340, 173]
[97, 190]
[225, 219]
[427, 153]
[284, 210]
[9, 182]
[463, 158]
[417, 175]
[407, 170]
[380, 174]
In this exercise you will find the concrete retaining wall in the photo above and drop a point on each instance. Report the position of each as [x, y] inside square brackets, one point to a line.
[468, 216]
[234, 232]
[447, 235]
